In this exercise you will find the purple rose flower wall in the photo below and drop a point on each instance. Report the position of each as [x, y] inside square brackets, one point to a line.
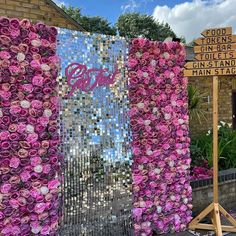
[160, 137]
[29, 158]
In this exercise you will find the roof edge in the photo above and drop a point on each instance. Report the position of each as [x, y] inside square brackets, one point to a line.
[74, 22]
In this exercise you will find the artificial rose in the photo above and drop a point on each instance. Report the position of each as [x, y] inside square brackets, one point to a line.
[25, 104]
[5, 55]
[37, 80]
[5, 188]
[14, 162]
[20, 57]
[53, 184]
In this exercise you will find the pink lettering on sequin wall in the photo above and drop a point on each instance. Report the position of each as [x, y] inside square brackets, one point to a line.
[80, 77]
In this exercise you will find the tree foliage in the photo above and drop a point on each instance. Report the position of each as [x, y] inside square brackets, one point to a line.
[93, 24]
[130, 25]
[133, 25]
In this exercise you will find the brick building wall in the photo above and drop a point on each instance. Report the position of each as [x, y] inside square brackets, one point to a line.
[38, 10]
[204, 85]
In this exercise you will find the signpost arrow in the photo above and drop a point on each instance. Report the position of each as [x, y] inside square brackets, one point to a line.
[210, 64]
[210, 72]
[216, 40]
[216, 56]
[214, 48]
[217, 32]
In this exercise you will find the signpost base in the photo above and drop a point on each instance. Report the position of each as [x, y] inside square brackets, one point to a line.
[214, 210]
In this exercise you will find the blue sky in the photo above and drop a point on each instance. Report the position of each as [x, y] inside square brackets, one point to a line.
[111, 9]
[188, 18]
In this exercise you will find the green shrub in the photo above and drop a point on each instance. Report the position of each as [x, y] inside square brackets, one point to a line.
[202, 148]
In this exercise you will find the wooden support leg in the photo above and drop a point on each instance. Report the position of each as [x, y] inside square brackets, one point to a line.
[214, 210]
[216, 216]
[201, 216]
[227, 216]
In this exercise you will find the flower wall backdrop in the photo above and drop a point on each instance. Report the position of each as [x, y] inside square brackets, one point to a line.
[29, 158]
[160, 137]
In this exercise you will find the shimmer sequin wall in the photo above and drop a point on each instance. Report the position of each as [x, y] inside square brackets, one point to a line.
[95, 136]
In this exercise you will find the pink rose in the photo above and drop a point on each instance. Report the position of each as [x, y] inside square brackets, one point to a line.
[5, 55]
[14, 203]
[27, 88]
[5, 39]
[40, 207]
[23, 48]
[25, 23]
[5, 188]
[137, 179]
[38, 80]
[5, 94]
[14, 162]
[4, 135]
[53, 184]
[21, 127]
[33, 35]
[45, 43]
[14, 70]
[14, 33]
[25, 176]
[35, 64]
[31, 138]
[46, 168]
[35, 160]
[55, 60]
[43, 120]
[5, 63]
[45, 230]
[15, 109]
[137, 213]
[132, 62]
[180, 133]
[36, 104]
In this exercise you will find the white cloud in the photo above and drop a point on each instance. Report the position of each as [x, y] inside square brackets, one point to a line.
[189, 19]
[130, 6]
[133, 5]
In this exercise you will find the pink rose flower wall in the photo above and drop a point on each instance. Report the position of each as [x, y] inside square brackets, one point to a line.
[160, 134]
[29, 158]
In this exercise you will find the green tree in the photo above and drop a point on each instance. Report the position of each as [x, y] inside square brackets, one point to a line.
[133, 25]
[93, 24]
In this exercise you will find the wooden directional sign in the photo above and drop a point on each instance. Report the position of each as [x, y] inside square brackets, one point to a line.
[216, 56]
[217, 32]
[214, 48]
[210, 64]
[210, 72]
[216, 40]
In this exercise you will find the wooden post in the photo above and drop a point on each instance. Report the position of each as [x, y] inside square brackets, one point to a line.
[215, 140]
